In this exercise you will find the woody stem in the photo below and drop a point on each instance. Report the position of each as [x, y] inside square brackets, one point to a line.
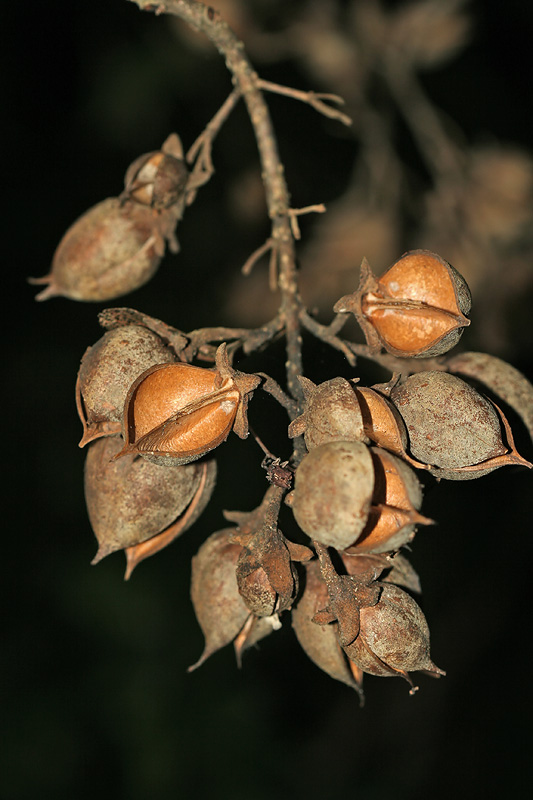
[208, 21]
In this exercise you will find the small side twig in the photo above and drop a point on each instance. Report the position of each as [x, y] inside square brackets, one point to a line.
[272, 246]
[252, 260]
[256, 338]
[318, 208]
[272, 387]
[203, 342]
[314, 99]
[202, 147]
[327, 334]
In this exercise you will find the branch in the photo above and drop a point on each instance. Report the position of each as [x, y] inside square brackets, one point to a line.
[208, 21]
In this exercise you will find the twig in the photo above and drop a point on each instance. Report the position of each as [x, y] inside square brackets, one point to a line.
[442, 158]
[326, 334]
[203, 342]
[208, 21]
[202, 147]
[260, 336]
[314, 99]
[252, 260]
[272, 387]
[319, 208]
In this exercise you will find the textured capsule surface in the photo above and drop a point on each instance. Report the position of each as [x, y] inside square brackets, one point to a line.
[394, 636]
[421, 307]
[130, 500]
[332, 492]
[179, 412]
[449, 424]
[110, 366]
[109, 251]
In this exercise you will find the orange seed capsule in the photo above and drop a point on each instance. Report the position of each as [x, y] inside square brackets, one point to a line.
[417, 308]
[175, 413]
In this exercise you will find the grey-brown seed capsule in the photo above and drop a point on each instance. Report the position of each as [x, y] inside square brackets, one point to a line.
[108, 369]
[332, 413]
[219, 608]
[109, 251]
[131, 500]
[332, 492]
[320, 641]
[393, 637]
[449, 424]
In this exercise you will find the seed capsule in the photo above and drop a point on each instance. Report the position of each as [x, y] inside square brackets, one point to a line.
[453, 427]
[136, 553]
[393, 514]
[107, 370]
[158, 179]
[333, 491]
[383, 425]
[175, 413]
[131, 500]
[219, 608]
[417, 308]
[332, 413]
[111, 250]
[265, 571]
[393, 637]
[320, 642]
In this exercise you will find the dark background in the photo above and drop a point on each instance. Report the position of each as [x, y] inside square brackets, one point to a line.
[96, 700]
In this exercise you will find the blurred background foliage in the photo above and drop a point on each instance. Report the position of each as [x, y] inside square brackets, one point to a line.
[95, 695]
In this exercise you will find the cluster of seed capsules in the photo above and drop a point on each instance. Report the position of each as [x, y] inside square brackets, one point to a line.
[152, 421]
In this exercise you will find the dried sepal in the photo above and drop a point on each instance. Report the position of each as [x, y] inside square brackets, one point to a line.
[320, 642]
[366, 567]
[417, 308]
[394, 512]
[266, 575]
[245, 385]
[265, 571]
[347, 595]
[131, 500]
[139, 552]
[390, 567]
[402, 573]
[331, 413]
[179, 412]
[219, 608]
[106, 372]
[383, 424]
